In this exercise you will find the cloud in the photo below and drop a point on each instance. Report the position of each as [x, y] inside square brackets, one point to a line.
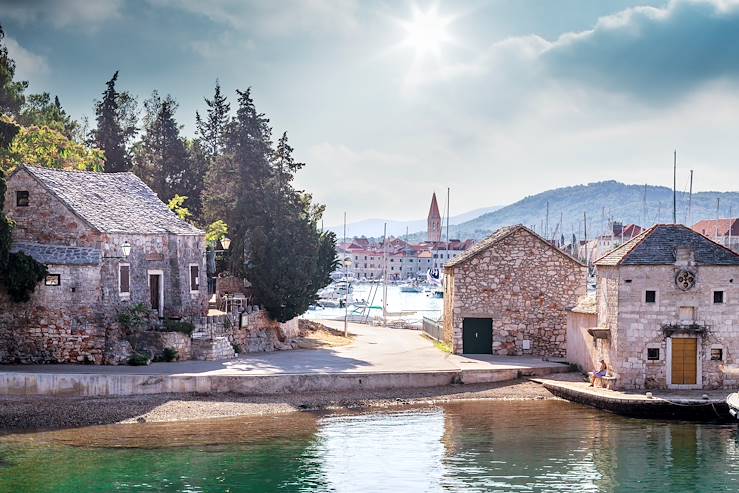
[28, 65]
[280, 18]
[652, 52]
[62, 13]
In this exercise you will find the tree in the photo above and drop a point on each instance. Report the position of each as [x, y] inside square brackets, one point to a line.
[212, 130]
[116, 126]
[11, 92]
[42, 146]
[161, 158]
[40, 111]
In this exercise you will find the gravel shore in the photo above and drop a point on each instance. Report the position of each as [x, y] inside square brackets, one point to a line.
[43, 413]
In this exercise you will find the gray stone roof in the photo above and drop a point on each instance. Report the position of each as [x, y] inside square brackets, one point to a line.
[657, 245]
[495, 238]
[59, 254]
[112, 202]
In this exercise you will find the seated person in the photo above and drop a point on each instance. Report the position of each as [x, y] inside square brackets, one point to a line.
[597, 375]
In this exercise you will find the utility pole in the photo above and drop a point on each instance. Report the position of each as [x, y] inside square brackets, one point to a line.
[674, 188]
[644, 218]
[585, 239]
[546, 226]
[718, 206]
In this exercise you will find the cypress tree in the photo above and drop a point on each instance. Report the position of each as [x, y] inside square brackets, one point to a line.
[115, 114]
[11, 92]
[212, 131]
[161, 157]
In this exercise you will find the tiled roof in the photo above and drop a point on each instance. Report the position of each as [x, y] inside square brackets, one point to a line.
[59, 254]
[722, 227]
[112, 202]
[656, 246]
[495, 238]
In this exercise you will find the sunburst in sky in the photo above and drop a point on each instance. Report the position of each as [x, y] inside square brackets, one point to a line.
[427, 32]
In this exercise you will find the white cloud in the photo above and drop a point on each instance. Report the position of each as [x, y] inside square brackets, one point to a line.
[85, 14]
[28, 65]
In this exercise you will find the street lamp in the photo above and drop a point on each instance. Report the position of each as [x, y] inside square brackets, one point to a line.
[347, 265]
[126, 247]
[225, 242]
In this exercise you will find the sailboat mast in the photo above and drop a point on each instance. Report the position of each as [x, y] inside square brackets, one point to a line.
[384, 276]
[674, 188]
[447, 219]
[689, 220]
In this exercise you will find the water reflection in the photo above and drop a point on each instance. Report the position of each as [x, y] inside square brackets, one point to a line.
[472, 446]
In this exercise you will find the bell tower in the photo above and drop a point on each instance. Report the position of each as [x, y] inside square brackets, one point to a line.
[433, 232]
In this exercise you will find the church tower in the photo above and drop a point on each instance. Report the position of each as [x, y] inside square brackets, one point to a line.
[434, 221]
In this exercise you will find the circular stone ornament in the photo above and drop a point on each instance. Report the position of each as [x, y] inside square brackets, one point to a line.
[685, 280]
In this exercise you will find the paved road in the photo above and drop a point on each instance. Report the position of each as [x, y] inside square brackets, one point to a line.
[375, 349]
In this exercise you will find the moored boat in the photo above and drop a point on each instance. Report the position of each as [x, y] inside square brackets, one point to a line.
[733, 402]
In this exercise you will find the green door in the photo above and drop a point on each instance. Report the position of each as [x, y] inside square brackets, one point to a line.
[477, 336]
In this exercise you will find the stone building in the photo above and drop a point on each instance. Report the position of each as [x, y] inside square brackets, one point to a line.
[668, 311]
[508, 294]
[108, 242]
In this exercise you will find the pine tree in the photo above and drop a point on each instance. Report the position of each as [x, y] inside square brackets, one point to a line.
[116, 126]
[212, 131]
[39, 110]
[11, 92]
[161, 157]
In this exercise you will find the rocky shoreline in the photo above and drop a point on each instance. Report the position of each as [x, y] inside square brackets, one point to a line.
[24, 414]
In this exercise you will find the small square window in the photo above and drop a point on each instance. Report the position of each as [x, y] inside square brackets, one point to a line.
[22, 198]
[717, 354]
[52, 280]
[653, 354]
[650, 296]
[718, 297]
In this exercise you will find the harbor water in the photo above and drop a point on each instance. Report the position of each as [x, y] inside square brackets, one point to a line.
[408, 306]
[519, 446]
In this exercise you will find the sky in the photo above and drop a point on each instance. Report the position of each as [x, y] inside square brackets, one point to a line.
[388, 101]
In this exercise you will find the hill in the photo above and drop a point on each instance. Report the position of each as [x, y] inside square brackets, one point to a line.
[602, 201]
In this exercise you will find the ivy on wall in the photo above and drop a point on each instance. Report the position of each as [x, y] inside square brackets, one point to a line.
[19, 273]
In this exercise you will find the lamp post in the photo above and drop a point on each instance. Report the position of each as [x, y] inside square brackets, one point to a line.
[347, 265]
[211, 260]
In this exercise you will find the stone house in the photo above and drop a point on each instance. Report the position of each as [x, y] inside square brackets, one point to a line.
[667, 312]
[508, 294]
[108, 242]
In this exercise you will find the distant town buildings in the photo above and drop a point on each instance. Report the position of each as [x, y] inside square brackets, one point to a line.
[403, 260]
[723, 231]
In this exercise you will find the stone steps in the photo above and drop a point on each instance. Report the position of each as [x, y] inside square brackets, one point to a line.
[218, 348]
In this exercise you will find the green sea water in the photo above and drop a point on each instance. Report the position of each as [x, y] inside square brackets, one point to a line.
[527, 446]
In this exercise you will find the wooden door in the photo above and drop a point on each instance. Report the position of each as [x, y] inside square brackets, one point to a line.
[684, 361]
[154, 291]
[477, 336]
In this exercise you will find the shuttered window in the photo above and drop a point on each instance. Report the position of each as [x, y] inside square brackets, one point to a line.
[124, 271]
[194, 278]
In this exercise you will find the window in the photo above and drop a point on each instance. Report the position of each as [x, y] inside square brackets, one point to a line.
[124, 280]
[653, 354]
[22, 198]
[194, 277]
[718, 297]
[650, 296]
[717, 354]
[53, 280]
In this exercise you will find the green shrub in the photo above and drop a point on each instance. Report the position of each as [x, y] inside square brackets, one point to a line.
[179, 326]
[170, 354]
[139, 359]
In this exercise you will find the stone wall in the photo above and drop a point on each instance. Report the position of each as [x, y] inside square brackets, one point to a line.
[258, 333]
[155, 342]
[524, 285]
[639, 324]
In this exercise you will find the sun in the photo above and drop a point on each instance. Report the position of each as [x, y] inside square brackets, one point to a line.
[427, 32]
